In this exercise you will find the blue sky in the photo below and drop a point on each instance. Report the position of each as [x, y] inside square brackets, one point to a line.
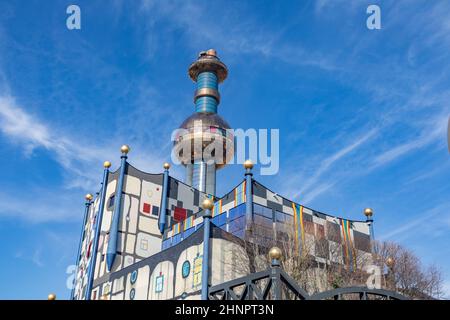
[362, 113]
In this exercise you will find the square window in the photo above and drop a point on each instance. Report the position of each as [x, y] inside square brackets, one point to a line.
[144, 244]
[237, 212]
[146, 208]
[215, 220]
[239, 234]
[320, 231]
[222, 219]
[237, 224]
[179, 214]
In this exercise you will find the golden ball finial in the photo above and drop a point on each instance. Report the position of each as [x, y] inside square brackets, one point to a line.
[89, 197]
[106, 164]
[390, 262]
[275, 253]
[125, 149]
[368, 212]
[211, 52]
[248, 164]
[51, 296]
[207, 204]
[166, 165]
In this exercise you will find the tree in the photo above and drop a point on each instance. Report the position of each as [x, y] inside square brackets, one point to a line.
[318, 264]
[405, 273]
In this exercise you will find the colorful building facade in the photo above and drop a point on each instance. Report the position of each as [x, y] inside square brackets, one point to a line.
[143, 235]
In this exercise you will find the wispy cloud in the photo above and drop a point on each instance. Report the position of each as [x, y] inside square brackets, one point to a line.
[430, 221]
[31, 133]
[433, 132]
[314, 186]
[34, 257]
[80, 159]
[408, 106]
[243, 35]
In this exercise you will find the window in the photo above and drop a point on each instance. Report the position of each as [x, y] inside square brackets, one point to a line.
[320, 231]
[237, 212]
[215, 220]
[239, 233]
[111, 201]
[179, 214]
[236, 224]
[144, 244]
[159, 283]
[146, 208]
[279, 217]
[263, 211]
[263, 221]
[282, 236]
[309, 227]
[333, 232]
[283, 217]
[220, 219]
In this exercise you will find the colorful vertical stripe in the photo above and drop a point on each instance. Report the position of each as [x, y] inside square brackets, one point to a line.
[348, 243]
[217, 208]
[189, 222]
[176, 228]
[239, 194]
[299, 225]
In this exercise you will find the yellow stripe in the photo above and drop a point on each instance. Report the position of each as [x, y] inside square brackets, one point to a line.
[295, 226]
[302, 227]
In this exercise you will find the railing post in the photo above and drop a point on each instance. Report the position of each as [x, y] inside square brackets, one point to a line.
[97, 229]
[88, 198]
[248, 165]
[207, 206]
[165, 190]
[275, 256]
[111, 251]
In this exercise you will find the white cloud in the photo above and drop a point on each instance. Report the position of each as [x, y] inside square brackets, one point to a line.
[314, 186]
[81, 160]
[431, 222]
[35, 257]
[19, 125]
[431, 133]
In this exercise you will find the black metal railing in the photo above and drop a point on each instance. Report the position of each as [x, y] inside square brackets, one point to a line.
[276, 284]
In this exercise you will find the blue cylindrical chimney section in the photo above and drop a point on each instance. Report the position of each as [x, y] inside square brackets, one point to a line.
[207, 95]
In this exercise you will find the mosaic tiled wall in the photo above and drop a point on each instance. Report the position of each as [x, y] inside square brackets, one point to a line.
[138, 236]
[175, 273]
[140, 239]
[326, 237]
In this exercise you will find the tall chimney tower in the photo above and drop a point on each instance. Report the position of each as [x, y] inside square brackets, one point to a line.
[203, 144]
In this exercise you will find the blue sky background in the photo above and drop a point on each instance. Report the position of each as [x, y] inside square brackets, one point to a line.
[362, 114]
